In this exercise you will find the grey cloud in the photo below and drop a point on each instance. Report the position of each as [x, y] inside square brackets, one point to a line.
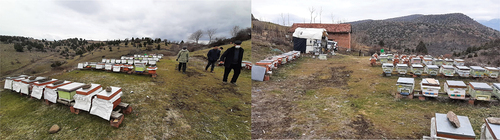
[84, 7]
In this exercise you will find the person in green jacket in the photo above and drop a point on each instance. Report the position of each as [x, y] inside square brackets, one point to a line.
[183, 58]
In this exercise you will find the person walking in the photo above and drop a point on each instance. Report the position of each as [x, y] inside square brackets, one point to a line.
[213, 55]
[232, 58]
[183, 58]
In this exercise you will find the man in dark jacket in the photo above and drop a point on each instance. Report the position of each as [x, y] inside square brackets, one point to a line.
[213, 55]
[232, 58]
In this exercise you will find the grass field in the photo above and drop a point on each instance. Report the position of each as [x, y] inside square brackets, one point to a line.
[344, 97]
[196, 105]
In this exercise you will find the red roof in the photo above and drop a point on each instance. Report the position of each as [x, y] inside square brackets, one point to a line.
[331, 28]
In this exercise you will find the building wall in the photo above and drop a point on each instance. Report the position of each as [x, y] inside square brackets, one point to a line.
[343, 39]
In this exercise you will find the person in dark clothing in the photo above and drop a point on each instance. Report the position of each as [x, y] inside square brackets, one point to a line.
[232, 58]
[213, 55]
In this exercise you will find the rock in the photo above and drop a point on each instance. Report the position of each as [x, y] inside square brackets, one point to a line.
[452, 117]
[87, 86]
[108, 89]
[494, 120]
[58, 82]
[54, 129]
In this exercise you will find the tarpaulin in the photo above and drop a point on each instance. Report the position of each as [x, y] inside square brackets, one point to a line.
[8, 84]
[24, 88]
[37, 91]
[16, 87]
[103, 108]
[299, 44]
[50, 94]
[83, 102]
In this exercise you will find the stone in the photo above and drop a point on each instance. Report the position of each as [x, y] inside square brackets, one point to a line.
[494, 120]
[54, 129]
[452, 117]
[108, 89]
[87, 86]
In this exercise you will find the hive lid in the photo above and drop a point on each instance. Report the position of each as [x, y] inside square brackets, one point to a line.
[494, 129]
[463, 67]
[476, 68]
[401, 65]
[459, 60]
[496, 85]
[387, 65]
[91, 89]
[456, 83]
[114, 90]
[34, 80]
[71, 87]
[447, 67]
[432, 66]
[491, 68]
[430, 81]
[417, 66]
[444, 127]
[480, 86]
[406, 80]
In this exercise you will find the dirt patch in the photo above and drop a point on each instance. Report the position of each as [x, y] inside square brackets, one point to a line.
[335, 77]
[364, 128]
[194, 74]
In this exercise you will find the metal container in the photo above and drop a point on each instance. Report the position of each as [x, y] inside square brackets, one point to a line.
[462, 71]
[430, 87]
[405, 86]
[432, 70]
[455, 89]
[402, 68]
[417, 69]
[480, 91]
[491, 72]
[447, 70]
[477, 71]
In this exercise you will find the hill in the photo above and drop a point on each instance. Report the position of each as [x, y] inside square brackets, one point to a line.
[442, 34]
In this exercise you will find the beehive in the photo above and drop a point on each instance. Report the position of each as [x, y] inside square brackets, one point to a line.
[416, 60]
[477, 71]
[462, 71]
[490, 131]
[491, 72]
[405, 86]
[152, 70]
[83, 97]
[387, 68]
[39, 87]
[9, 82]
[437, 61]
[443, 127]
[455, 89]
[117, 67]
[140, 67]
[402, 68]
[417, 69]
[496, 90]
[447, 70]
[383, 58]
[458, 62]
[16, 83]
[50, 92]
[67, 92]
[105, 102]
[427, 61]
[100, 66]
[108, 66]
[430, 87]
[480, 91]
[25, 84]
[448, 61]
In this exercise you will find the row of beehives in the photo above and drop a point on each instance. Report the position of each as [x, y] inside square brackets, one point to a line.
[264, 68]
[430, 87]
[445, 70]
[414, 59]
[79, 96]
[443, 128]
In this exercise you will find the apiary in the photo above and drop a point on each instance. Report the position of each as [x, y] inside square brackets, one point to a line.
[387, 68]
[39, 87]
[50, 93]
[402, 68]
[405, 86]
[448, 61]
[455, 89]
[437, 61]
[491, 72]
[496, 90]
[417, 69]
[140, 67]
[105, 102]
[462, 71]
[108, 66]
[100, 66]
[427, 61]
[430, 87]
[16, 83]
[383, 58]
[447, 70]
[67, 92]
[84, 95]
[26, 84]
[480, 91]
[416, 60]
[444, 128]
[117, 67]
[458, 62]
[477, 71]
[490, 129]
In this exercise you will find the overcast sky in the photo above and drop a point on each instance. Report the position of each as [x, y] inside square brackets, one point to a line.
[354, 10]
[120, 19]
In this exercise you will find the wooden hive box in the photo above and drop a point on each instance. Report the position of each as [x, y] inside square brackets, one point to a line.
[117, 67]
[477, 71]
[447, 70]
[405, 86]
[67, 92]
[100, 66]
[432, 69]
[152, 70]
[458, 62]
[39, 87]
[455, 89]
[387, 67]
[105, 102]
[496, 90]
[402, 68]
[417, 69]
[492, 72]
[491, 131]
[448, 62]
[444, 128]
[50, 93]
[480, 91]
[463, 71]
[430, 87]
[114, 96]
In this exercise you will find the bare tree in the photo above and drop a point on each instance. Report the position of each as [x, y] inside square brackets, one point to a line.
[311, 10]
[196, 36]
[210, 33]
[234, 31]
[314, 19]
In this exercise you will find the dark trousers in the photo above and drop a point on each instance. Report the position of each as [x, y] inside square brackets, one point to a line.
[210, 63]
[237, 70]
[183, 66]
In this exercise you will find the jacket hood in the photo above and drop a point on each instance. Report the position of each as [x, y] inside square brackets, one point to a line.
[184, 50]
